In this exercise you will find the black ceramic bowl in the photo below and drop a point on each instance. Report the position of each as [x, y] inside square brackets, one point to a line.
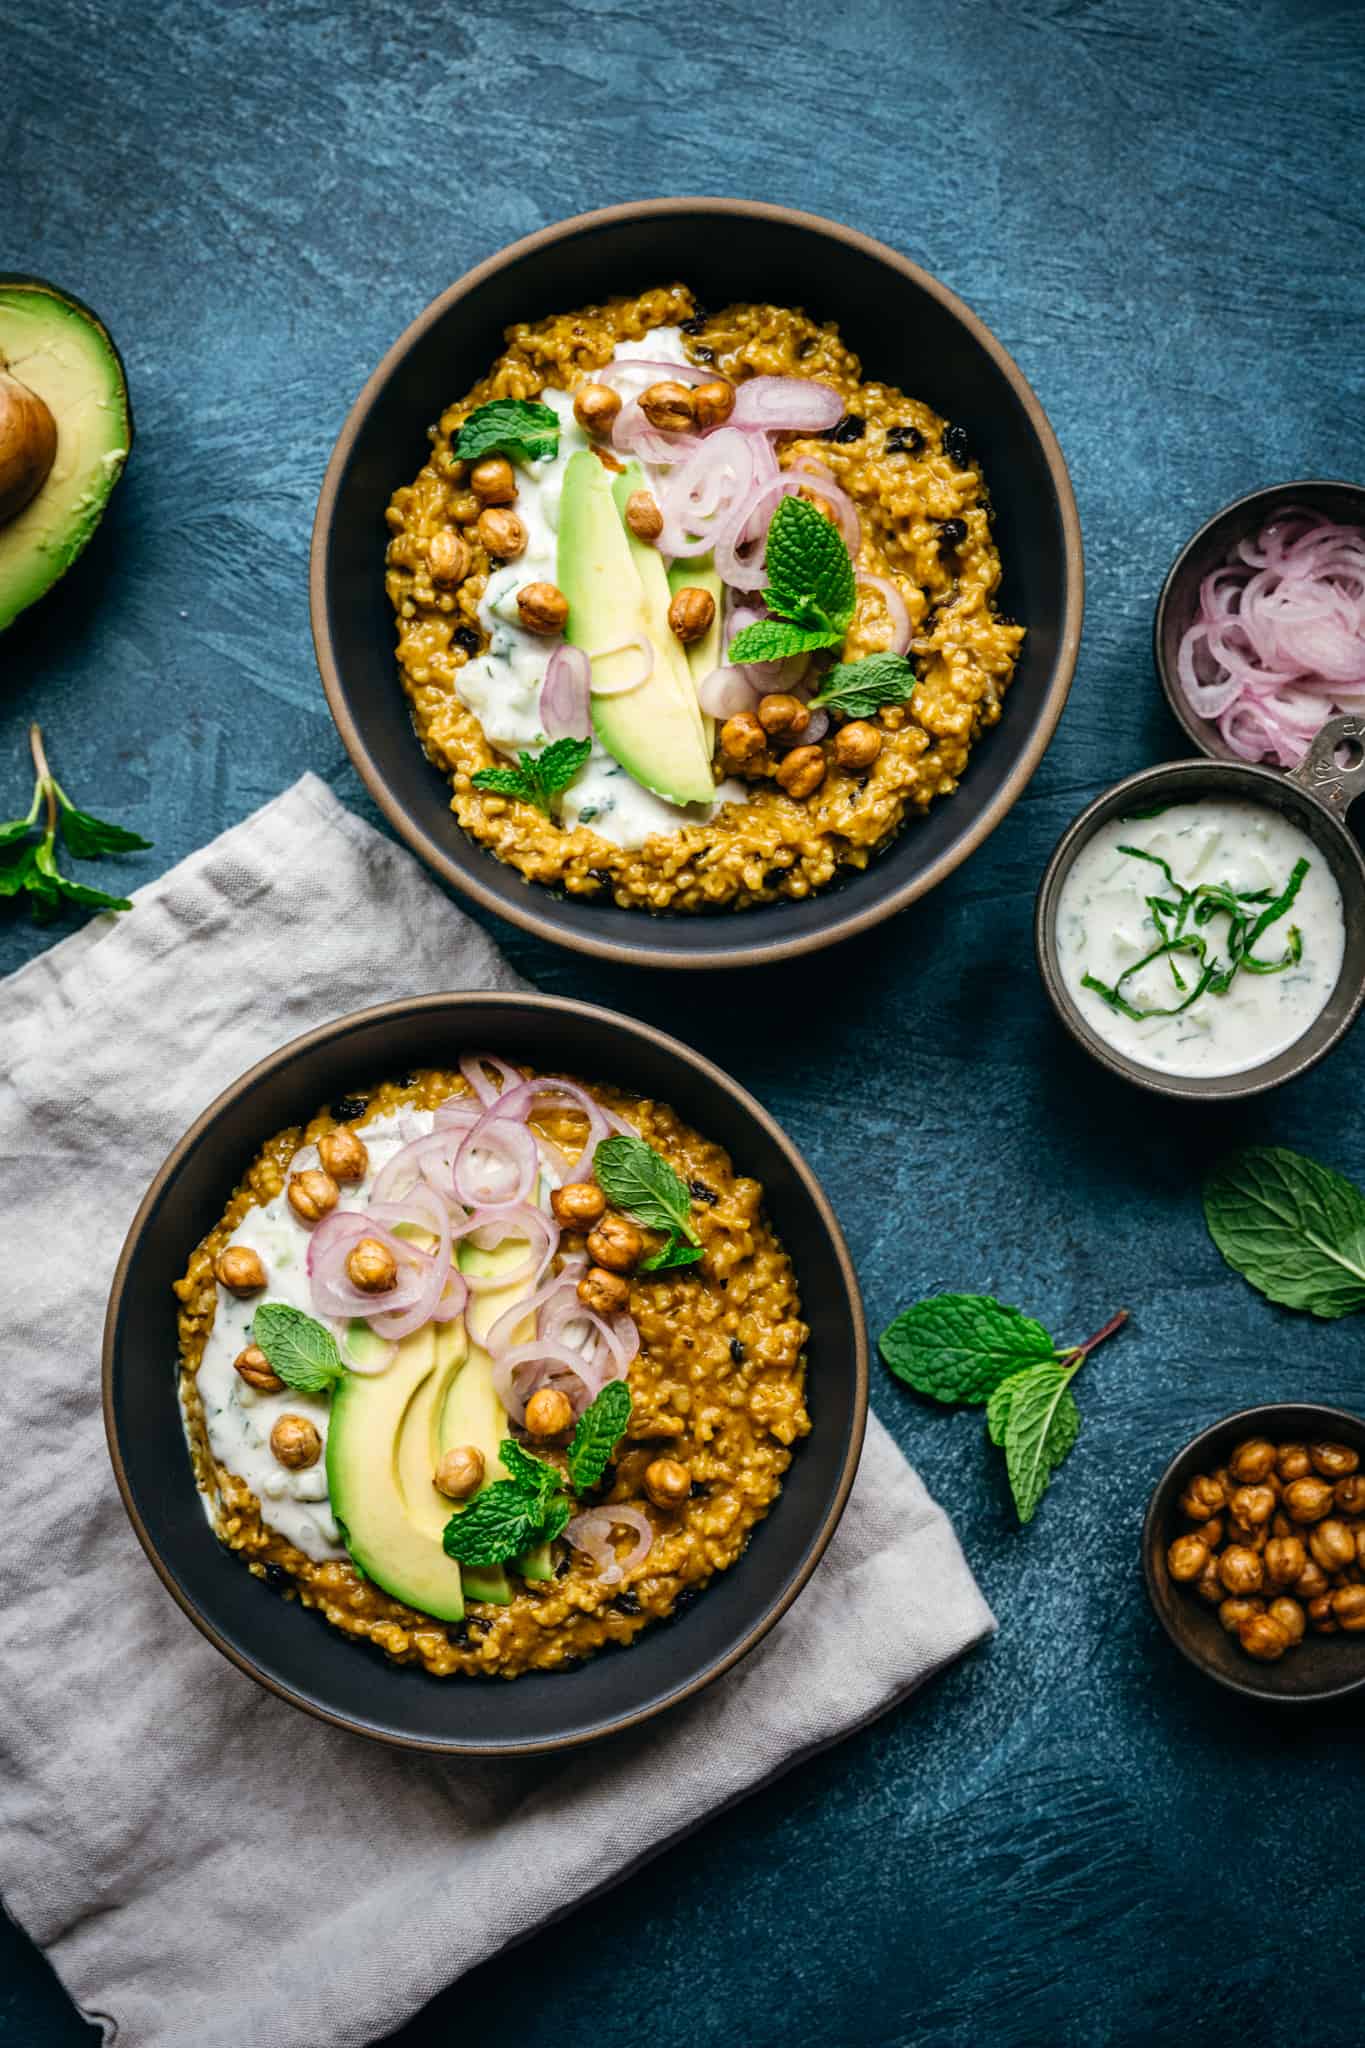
[1321, 1667]
[908, 329]
[294, 1652]
[1210, 548]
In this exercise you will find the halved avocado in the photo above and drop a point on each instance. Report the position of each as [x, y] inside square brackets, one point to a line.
[72, 382]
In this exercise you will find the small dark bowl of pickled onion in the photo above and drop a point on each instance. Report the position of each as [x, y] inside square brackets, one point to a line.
[1262, 617]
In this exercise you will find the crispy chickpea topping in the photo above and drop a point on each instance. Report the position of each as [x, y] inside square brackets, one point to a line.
[1349, 1494]
[295, 1442]
[742, 737]
[548, 1413]
[1333, 1545]
[1252, 1461]
[1307, 1500]
[240, 1270]
[448, 557]
[371, 1266]
[1233, 1613]
[1204, 1496]
[578, 1205]
[603, 1292]
[493, 481]
[713, 403]
[669, 406]
[1348, 1608]
[255, 1369]
[343, 1154]
[1290, 1616]
[1321, 1619]
[1241, 1570]
[616, 1244]
[597, 408]
[643, 516]
[1262, 1637]
[1285, 1558]
[1293, 1462]
[1252, 1505]
[313, 1194]
[1312, 1581]
[667, 1483]
[1334, 1461]
[1208, 1585]
[782, 713]
[801, 772]
[460, 1472]
[502, 534]
[542, 607]
[1187, 1557]
[691, 613]
[857, 746]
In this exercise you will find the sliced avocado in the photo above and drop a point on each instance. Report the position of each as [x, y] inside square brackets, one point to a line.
[380, 1462]
[474, 1414]
[655, 731]
[705, 654]
[649, 567]
[56, 348]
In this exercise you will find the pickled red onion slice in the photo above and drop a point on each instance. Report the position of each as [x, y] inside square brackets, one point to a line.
[592, 1532]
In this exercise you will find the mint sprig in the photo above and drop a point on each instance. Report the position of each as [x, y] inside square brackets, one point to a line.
[300, 1350]
[811, 587]
[539, 778]
[596, 1434]
[635, 1178]
[511, 1515]
[860, 688]
[29, 867]
[521, 428]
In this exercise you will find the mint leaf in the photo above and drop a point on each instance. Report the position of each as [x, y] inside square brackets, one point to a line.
[998, 1406]
[1040, 1429]
[633, 1177]
[775, 639]
[1294, 1229]
[15, 828]
[959, 1347]
[673, 1253]
[89, 837]
[598, 1431]
[860, 688]
[810, 574]
[539, 778]
[522, 428]
[17, 865]
[499, 1523]
[302, 1351]
[534, 1474]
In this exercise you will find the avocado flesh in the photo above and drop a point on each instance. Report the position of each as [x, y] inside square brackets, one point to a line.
[58, 348]
[654, 731]
[658, 588]
[705, 654]
[473, 1412]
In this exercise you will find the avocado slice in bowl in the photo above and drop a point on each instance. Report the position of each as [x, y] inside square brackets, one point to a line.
[66, 428]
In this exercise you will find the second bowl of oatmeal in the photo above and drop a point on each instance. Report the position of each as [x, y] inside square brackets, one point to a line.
[734, 602]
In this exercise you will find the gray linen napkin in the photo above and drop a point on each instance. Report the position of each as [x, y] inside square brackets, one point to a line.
[170, 1833]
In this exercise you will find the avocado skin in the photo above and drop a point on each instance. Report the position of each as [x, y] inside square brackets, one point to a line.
[31, 588]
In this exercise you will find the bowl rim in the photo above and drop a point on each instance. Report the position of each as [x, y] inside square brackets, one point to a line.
[1153, 1537]
[1201, 732]
[545, 1006]
[533, 909]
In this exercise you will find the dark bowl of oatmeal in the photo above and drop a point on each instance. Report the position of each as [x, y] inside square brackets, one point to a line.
[433, 582]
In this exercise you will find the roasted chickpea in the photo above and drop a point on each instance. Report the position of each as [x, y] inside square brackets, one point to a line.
[255, 1369]
[782, 713]
[493, 481]
[240, 1270]
[713, 403]
[1208, 1585]
[1232, 1613]
[1202, 1497]
[1252, 1460]
[691, 614]
[1321, 1619]
[1280, 1524]
[667, 1483]
[857, 746]
[1211, 1532]
[1293, 1462]
[448, 557]
[1349, 1494]
[371, 1266]
[343, 1154]
[460, 1472]
[1348, 1608]
[1187, 1557]
[597, 407]
[1262, 1637]
[1241, 1570]
[605, 1293]
[502, 534]
[548, 1413]
[295, 1442]
[1307, 1500]
[643, 516]
[1333, 1545]
[542, 608]
[1334, 1461]
[578, 1205]
[1290, 1616]
[1252, 1505]
[1251, 1535]
[669, 406]
[1312, 1581]
[1284, 1559]
[615, 1244]
[742, 737]
[801, 772]
[313, 1194]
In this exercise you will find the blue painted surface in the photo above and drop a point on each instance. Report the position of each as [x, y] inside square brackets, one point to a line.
[1158, 208]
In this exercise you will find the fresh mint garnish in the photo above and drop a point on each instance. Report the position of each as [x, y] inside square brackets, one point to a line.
[526, 1508]
[301, 1351]
[598, 1431]
[29, 867]
[633, 1177]
[811, 587]
[1294, 1229]
[671, 1254]
[776, 639]
[1040, 1431]
[860, 688]
[540, 778]
[521, 428]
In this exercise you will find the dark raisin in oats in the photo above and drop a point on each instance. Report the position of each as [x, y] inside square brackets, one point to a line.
[904, 441]
[276, 1577]
[602, 877]
[956, 444]
[701, 1193]
[736, 1351]
[704, 354]
[952, 532]
[850, 428]
[467, 638]
[626, 1603]
[695, 324]
[349, 1107]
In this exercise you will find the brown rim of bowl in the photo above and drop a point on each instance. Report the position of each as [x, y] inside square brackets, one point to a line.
[525, 911]
[1202, 732]
[554, 1006]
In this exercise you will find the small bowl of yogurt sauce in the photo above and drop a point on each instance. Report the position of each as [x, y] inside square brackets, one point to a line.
[1200, 928]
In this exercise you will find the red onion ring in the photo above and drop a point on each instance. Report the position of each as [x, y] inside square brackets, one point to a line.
[620, 689]
[633, 435]
[472, 1066]
[725, 692]
[787, 405]
[681, 373]
[707, 492]
[591, 1533]
[746, 572]
[896, 611]
[564, 694]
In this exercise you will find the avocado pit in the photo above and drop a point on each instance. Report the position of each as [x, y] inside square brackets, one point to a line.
[28, 445]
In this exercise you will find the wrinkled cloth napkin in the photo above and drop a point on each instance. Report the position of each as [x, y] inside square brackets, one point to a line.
[204, 1865]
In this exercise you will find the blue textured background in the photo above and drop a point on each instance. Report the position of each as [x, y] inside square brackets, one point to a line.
[1158, 207]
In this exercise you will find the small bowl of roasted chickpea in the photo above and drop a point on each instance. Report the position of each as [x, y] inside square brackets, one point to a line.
[1254, 1552]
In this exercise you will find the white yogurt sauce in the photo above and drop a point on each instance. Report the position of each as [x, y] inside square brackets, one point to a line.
[502, 686]
[1104, 925]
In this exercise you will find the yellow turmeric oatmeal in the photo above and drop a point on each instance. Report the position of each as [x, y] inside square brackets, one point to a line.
[690, 615]
[491, 1369]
